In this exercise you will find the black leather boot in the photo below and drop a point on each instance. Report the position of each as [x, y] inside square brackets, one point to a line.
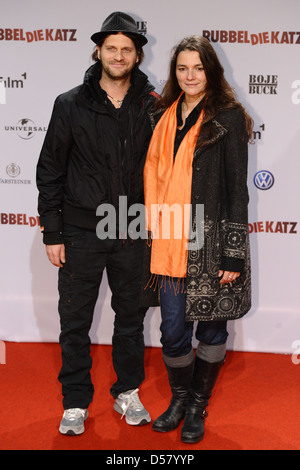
[180, 381]
[204, 379]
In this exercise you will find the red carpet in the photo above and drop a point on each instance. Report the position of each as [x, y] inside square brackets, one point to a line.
[255, 405]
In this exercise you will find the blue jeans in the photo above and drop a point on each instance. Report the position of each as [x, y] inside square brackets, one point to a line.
[176, 333]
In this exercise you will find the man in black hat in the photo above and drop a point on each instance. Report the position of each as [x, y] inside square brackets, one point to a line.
[93, 154]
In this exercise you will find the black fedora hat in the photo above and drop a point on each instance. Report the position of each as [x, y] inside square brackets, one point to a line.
[119, 22]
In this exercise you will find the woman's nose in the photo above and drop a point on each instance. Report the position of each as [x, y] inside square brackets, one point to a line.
[190, 75]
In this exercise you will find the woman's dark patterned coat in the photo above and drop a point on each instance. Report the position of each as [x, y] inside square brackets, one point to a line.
[219, 182]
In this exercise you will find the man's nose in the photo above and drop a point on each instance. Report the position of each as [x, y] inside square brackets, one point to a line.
[119, 55]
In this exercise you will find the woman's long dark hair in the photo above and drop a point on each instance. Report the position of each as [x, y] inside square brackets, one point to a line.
[219, 94]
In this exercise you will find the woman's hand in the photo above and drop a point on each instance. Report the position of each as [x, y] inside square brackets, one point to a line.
[228, 276]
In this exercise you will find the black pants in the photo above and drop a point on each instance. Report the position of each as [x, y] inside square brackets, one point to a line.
[79, 282]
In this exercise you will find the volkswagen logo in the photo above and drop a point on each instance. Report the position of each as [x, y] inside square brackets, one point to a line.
[263, 180]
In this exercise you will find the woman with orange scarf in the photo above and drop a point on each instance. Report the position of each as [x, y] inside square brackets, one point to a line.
[197, 158]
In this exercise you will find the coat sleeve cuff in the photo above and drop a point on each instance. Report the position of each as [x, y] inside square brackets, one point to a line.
[235, 265]
[53, 238]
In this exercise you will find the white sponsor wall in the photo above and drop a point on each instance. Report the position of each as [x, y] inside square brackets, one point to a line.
[45, 48]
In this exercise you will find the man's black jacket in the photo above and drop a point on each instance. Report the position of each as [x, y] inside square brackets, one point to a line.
[92, 153]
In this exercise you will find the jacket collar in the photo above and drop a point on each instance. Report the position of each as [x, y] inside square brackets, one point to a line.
[89, 97]
[219, 131]
[214, 132]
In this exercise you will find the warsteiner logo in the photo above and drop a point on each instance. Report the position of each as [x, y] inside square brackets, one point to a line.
[13, 170]
[15, 34]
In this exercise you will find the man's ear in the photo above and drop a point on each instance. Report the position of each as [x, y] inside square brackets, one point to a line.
[98, 52]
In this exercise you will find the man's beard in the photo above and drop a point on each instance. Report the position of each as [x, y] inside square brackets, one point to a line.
[114, 75]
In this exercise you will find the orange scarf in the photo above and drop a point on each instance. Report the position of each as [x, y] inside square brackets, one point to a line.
[167, 183]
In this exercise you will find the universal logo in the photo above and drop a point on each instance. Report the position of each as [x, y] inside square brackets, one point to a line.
[263, 180]
[263, 84]
[25, 129]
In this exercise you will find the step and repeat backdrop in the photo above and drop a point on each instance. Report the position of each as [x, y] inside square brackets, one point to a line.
[45, 48]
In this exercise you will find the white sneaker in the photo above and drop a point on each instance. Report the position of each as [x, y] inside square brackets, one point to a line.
[128, 404]
[72, 422]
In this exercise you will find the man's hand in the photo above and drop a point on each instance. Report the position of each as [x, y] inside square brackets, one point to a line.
[228, 276]
[56, 254]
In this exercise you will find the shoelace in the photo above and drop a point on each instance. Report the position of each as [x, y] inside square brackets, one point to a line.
[131, 399]
[73, 413]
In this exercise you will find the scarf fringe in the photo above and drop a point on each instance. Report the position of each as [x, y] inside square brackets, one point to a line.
[177, 286]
